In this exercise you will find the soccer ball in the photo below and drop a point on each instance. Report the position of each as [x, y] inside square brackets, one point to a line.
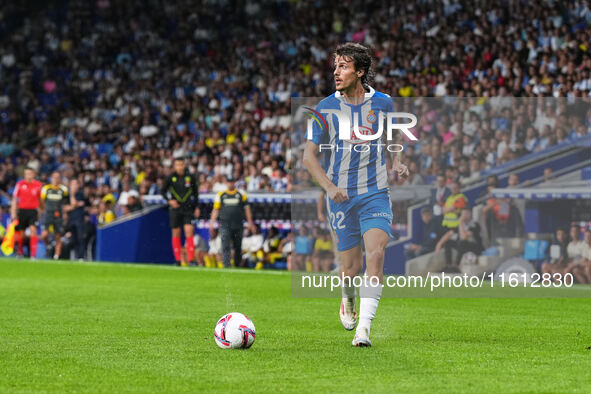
[234, 331]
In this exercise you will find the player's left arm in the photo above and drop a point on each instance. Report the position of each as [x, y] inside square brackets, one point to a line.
[248, 212]
[217, 204]
[42, 198]
[321, 206]
[195, 188]
[396, 157]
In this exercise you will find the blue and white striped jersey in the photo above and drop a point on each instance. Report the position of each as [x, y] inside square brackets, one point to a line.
[350, 166]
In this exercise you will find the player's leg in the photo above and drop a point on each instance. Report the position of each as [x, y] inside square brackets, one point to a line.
[58, 230]
[226, 246]
[20, 232]
[20, 242]
[176, 244]
[351, 263]
[189, 242]
[45, 225]
[237, 243]
[33, 241]
[375, 241]
[375, 216]
[346, 234]
[175, 227]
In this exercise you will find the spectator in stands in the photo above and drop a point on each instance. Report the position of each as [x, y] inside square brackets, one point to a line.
[464, 238]
[500, 216]
[575, 250]
[214, 256]
[286, 247]
[133, 201]
[548, 176]
[432, 232]
[586, 255]
[559, 263]
[252, 246]
[513, 180]
[201, 250]
[453, 206]
[323, 257]
[304, 247]
[271, 248]
[439, 195]
[106, 214]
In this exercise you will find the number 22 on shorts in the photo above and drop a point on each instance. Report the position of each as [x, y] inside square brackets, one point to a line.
[339, 217]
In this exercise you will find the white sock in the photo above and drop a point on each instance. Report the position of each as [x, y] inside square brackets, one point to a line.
[348, 292]
[370, 298]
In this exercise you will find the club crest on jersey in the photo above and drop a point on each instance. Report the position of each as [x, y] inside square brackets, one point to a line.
[371, 116]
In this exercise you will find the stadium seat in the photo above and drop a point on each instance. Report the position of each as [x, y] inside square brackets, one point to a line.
[509, 247]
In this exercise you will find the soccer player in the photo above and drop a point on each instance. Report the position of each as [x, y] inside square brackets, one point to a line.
[231, 207]
[355, 182]
[181, 191]
[26, 200]
[54, 197]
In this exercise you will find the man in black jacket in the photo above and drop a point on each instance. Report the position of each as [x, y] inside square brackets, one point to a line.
[432, 232]
[181, 191]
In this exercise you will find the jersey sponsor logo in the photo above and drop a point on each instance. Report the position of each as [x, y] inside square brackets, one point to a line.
[54, 196]
[231, 201]
[363, 131]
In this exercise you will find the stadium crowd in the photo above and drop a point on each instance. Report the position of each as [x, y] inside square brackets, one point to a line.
[108, 92]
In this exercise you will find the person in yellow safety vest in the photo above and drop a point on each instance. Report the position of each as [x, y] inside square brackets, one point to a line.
[453, 206]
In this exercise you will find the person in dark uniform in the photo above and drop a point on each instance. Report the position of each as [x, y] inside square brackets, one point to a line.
[54, 197]
[231, 207]
[180, 189]
[78, 203]
[432, 232]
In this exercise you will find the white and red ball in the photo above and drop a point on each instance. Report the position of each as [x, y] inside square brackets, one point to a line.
[234, 331]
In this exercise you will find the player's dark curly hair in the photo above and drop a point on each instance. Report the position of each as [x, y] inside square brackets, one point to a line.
[362, 59]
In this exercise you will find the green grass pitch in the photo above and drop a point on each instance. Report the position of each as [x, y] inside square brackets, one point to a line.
[93, 327]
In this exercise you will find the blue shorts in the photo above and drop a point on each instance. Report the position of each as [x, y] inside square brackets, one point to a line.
[352, 218]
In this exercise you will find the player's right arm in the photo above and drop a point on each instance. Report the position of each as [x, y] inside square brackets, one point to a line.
[42, 199]
[164, 191]
[217, 204]
[321, 207]
[315, 169]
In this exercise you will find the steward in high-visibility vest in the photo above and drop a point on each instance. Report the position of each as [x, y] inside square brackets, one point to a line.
[453, 207]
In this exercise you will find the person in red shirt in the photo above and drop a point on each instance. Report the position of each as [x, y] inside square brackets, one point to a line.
[26, 200]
